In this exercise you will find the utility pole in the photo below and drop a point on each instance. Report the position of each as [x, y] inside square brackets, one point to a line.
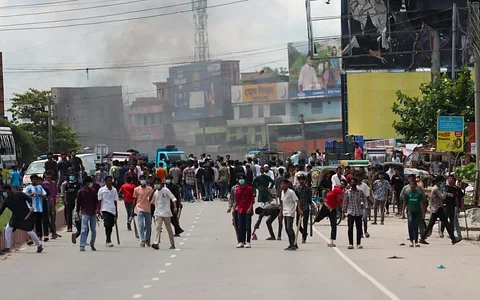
[474, 39]
[454, 41]
[302, 122]
[50, 131]
[200, 18]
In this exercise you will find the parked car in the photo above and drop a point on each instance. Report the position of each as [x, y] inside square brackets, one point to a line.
[36, 167]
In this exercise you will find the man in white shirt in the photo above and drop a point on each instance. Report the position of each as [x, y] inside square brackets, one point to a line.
[362, 186]
[163, 213]
[108, 197]
[307, 78]
[288, 209]
[337, 178]
[268, 172]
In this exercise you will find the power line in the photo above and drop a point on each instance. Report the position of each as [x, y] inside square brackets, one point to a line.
[176, 85]
[214, 56]
[57, 3]
[120, 20]
[69, 10]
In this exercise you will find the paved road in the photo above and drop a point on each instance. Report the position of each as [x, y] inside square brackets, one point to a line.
[206, 265]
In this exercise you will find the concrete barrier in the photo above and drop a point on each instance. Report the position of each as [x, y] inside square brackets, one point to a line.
[20, 236]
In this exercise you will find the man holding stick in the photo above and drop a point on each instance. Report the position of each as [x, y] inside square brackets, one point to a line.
[22, 216]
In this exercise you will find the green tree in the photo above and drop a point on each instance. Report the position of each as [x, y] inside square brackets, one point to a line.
[23, 140]
[31, 107]
[442, 97]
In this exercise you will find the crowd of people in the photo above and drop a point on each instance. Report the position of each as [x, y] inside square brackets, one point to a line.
[283, 189]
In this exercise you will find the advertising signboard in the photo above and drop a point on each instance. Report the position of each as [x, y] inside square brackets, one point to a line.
[450, 133]
[318, 76]
[259, 92]
[397, 34]
[196, 91]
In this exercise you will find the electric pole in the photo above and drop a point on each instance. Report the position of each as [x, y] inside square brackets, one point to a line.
[49, 120]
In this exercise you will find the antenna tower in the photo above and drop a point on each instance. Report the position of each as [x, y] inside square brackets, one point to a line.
[200, 17]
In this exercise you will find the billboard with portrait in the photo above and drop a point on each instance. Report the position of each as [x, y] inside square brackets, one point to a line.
[318, 76]
[196, 91]
[397, 34]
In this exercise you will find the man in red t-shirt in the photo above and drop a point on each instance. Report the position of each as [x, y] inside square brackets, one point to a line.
[329, 209]
[244, 201]
[127, 191]
[358, 152]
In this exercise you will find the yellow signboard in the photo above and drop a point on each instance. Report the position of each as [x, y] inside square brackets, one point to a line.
[371, 97]
[450, 133]
[259, 92]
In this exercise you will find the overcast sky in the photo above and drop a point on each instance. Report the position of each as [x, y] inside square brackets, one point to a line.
[237, 31]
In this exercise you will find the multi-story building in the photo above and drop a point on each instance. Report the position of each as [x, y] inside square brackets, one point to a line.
[264, 116]
[96, 114]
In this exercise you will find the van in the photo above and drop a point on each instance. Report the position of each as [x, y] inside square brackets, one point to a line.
[37, 167]
[88, 161]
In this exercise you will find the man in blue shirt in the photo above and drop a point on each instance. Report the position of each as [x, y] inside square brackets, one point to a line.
[15, 179]
[36, 192]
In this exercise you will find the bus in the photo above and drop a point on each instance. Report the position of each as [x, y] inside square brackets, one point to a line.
[8, 148]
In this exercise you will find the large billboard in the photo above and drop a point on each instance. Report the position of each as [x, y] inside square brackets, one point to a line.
[196, 91]
[397, 34]
[318, 76]
[259, 92]
[371, 97]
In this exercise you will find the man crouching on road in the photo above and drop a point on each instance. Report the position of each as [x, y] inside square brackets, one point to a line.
[244, 201]
[272, 211]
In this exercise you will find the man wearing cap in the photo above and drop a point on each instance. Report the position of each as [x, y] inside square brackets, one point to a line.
[263, 184]
[268, 172]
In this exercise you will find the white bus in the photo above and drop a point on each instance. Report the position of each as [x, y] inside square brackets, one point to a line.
[8, 148]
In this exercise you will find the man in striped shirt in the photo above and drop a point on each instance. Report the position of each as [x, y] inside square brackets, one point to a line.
[352, 206]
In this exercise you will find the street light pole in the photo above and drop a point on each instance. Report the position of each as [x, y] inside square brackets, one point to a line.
[302, 122]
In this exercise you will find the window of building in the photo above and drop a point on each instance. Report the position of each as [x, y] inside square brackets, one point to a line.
[317, 107]
[258, 138]
[232, 130]
[158, 118]
[277, 109]
[139, 119]
[294, 109]
[245, 130]
[258, 129]
[260, 111]
[233, 138]
[246, 111]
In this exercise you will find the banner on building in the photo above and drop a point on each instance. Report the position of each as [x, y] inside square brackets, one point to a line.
[317, 76]
[196, 90]
[450, 133]
[260, 92]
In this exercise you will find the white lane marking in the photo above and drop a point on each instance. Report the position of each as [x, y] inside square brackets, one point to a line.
[197, 218]
[181, 243]
[162, 271]
[193, 226]
[377, 284]
[188, 234]
[168, 264]
[190, 230]
[155, 279]
[195, 222]
[185, 239]
[147, 286]
[178, 249]
[137, 296]
[173, 256]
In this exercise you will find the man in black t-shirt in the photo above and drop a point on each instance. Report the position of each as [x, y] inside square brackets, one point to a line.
[452, 202]
[397, 182]
[208, 178]
[77, 165]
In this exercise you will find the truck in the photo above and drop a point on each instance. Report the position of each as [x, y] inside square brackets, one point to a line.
[169, 154]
